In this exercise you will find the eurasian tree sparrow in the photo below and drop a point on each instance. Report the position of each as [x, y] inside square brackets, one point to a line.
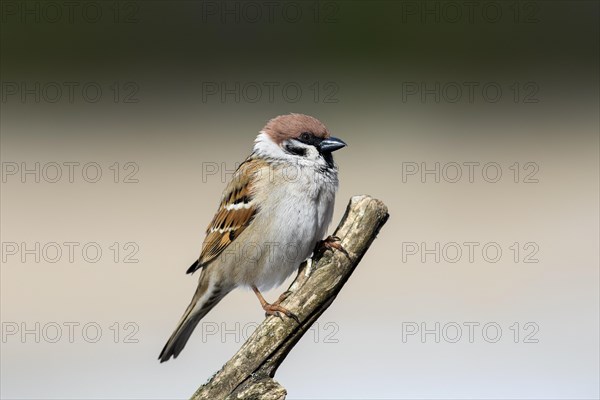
[273, 213]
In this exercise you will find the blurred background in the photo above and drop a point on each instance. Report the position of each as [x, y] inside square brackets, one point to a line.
[476, 123]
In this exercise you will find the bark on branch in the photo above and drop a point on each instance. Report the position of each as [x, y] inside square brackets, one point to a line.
[248, 374]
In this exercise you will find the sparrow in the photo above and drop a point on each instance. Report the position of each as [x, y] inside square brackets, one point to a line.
[273, 214]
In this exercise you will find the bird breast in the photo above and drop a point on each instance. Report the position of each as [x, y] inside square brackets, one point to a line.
[295, 210]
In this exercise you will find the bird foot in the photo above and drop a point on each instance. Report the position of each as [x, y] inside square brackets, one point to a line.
[330, 243]
[276, 308]
[278, 311]
[282, 297]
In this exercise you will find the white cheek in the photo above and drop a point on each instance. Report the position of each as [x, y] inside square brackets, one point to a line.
[265, 147]
[312, 153]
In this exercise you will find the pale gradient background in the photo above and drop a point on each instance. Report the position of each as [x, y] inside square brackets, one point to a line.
[368, 52]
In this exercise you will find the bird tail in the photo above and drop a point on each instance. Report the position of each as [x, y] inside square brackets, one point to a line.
[206, 297]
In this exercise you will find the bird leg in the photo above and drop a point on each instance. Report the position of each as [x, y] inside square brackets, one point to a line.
[275, 308]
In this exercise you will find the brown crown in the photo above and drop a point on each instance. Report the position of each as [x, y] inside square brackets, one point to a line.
[292, 126]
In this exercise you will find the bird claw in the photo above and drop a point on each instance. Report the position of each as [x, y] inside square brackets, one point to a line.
[276, 314]
[330, 243]
[278, 311]
[293, 316]
[283, 296]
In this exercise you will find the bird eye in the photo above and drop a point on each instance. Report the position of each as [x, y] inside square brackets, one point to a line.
[305, 136]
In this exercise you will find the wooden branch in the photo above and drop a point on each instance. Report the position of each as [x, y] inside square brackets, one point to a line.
[248, 374]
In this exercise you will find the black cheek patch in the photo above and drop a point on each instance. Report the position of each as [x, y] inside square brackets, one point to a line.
[298, 151]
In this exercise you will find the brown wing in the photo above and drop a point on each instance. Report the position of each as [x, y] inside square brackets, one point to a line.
[234, 215]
